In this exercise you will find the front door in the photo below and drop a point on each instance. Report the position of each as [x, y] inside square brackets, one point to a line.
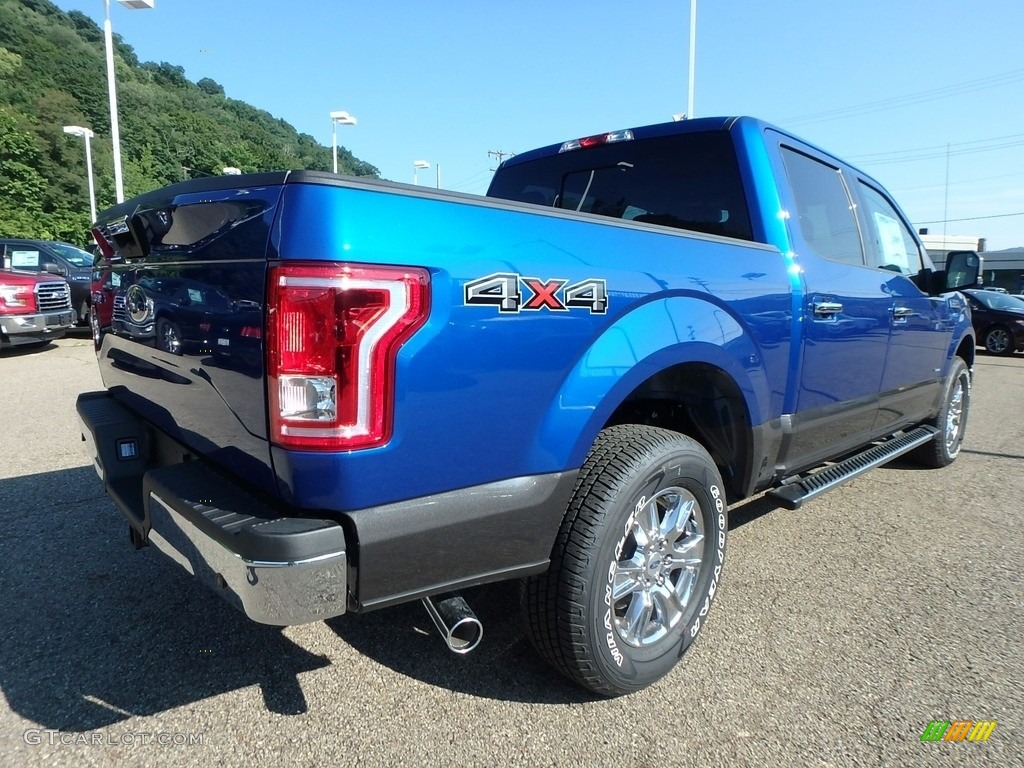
[921, 324]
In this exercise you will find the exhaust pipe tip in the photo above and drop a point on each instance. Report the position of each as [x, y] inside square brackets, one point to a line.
[458, 626]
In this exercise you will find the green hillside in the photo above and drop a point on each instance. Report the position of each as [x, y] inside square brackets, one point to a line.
[53, 73]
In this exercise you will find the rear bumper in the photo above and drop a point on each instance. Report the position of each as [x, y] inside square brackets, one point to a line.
[277, 569]
[25, 329]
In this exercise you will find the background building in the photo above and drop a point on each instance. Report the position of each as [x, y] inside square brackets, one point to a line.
[1001, 269]
[1004, 269]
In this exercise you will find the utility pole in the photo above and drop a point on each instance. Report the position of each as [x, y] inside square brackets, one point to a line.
[500, 155]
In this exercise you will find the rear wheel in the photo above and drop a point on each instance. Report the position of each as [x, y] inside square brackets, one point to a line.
[636, 564]
[998, 341]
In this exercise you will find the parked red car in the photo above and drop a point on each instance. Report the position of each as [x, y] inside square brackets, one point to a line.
[34, 308]
[105, 284]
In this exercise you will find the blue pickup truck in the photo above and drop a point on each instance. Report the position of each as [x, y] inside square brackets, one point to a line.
[399, 393]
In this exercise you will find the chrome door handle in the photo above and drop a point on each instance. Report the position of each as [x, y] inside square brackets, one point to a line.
[826, 308]
[902, 312]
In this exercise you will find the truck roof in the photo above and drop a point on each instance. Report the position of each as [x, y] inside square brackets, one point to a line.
[642, 132]
[698, 125]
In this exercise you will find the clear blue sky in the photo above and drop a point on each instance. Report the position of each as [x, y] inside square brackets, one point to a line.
[885, 84]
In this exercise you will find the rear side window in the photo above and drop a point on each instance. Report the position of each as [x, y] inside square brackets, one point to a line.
[689, 181]
[824, 209]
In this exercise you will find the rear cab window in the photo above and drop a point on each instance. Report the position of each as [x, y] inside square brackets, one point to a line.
[688, 181]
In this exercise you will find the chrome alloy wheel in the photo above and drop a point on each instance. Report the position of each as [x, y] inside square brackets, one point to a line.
[94, 325]
[660, 560]
[169, 340]
[954, 417]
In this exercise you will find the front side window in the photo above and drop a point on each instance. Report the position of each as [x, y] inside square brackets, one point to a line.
[823, 207]
[76, 256]
[891, 244]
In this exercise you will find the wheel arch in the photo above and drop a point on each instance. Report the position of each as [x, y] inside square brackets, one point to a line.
[968, 350]
[680, 363]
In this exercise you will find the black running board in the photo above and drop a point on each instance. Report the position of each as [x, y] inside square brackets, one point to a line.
[798, 489]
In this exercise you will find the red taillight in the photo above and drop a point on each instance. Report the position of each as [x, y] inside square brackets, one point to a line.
[333, 333]
[596, 141]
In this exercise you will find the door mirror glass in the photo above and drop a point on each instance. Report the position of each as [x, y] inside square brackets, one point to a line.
[962, 270]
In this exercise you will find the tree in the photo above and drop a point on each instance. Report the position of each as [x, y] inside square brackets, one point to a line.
[52, 73]
[212, 87]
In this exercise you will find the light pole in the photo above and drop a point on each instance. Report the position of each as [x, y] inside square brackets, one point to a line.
[338, 118]
[418, 165]
[115, 131]
[77, 130]
[693, 56]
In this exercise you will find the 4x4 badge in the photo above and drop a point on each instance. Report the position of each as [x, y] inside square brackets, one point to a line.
[504, 290]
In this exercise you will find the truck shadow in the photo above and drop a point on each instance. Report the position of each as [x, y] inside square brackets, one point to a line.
[93, 633]
[505, 665]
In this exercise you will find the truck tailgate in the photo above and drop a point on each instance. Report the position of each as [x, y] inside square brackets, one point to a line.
[184, 347]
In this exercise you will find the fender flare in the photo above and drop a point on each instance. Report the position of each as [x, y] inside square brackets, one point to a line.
[649, 339]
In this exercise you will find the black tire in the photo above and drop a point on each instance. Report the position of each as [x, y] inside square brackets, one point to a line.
[999, 341]
[951, 421]
[571, 614]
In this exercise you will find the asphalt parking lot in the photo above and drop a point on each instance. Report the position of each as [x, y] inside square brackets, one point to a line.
[839, 632]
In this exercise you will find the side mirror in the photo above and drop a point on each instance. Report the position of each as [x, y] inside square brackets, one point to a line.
[53, 269]
[962, 270]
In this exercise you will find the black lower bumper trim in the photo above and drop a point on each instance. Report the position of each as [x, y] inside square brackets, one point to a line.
[279, 569]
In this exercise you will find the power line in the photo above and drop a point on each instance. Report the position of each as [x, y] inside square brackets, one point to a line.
[975, 218]
[933, 154]
[956, 89]
[958, 183]
[942, 147]
[469, 179]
